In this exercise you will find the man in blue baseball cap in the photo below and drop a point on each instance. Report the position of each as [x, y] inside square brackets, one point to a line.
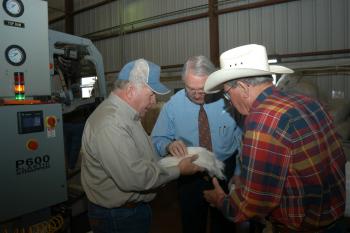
[119, 170]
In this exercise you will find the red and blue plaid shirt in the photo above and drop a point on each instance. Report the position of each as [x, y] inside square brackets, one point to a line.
[293, 164]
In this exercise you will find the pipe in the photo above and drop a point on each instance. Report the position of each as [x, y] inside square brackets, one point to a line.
[279, 56]
[307, 54]
[250, 6]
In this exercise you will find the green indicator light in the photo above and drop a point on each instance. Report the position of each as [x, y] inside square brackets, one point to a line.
[20, 96]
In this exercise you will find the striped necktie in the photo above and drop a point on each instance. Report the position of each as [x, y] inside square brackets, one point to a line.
[204, 130]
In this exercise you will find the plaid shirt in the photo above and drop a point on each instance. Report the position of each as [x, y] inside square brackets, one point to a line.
[293, 164]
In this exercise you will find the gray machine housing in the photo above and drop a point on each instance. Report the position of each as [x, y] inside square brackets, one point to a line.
[30, 180]
[30, 32]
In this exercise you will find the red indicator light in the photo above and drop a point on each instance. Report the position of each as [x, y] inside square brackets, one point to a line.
[32, 145]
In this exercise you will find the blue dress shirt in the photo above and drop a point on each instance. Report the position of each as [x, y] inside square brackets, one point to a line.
[178, 120]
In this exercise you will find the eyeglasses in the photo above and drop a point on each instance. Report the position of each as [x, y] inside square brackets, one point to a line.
[227, 95]
[192, 91]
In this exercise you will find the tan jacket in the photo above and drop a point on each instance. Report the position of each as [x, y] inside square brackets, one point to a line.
[119, 163]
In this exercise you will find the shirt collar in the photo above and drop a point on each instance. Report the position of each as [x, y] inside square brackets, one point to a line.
[263, 95]
[127, 110]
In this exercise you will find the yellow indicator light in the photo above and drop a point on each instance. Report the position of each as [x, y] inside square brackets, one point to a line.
[19, 89]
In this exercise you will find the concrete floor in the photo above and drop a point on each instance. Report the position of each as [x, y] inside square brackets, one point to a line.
[166, 212]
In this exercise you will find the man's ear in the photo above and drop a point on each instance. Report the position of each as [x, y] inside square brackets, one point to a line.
[245, 88]
[130, 91]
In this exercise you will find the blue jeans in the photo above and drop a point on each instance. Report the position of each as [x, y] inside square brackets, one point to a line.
[120, 220]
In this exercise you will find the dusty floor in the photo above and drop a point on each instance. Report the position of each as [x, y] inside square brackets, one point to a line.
[166, 212]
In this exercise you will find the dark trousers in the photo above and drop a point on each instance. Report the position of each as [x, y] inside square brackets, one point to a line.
[338, 226]
[195, 209]
[120, 220]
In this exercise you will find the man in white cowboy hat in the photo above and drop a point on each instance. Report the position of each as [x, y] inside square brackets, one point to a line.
[292, 158]
[119, 170]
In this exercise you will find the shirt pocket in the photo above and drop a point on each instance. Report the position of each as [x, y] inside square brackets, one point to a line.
[225, 135]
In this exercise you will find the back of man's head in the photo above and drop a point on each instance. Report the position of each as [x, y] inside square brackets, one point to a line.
[141, 72]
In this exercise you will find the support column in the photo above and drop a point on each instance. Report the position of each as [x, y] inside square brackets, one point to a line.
[69, 16]
[214, 32]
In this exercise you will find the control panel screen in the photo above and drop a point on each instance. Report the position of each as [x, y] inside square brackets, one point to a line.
[30, 122]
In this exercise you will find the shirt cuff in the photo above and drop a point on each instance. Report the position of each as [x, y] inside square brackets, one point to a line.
[174, 172]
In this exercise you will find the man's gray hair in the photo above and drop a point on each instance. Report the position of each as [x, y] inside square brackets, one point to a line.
[138, 76]
[199, 66]
[119, 84]
[254, 81]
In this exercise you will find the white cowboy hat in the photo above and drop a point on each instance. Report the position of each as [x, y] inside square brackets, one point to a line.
[244, 61]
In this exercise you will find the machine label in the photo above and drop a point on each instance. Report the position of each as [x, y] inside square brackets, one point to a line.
[51, 132]
[13, 24]
[24, 166]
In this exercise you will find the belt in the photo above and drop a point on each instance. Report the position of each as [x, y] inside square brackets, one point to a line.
[130, 205]
[127, 205]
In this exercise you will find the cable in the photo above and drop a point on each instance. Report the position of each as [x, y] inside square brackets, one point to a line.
[54, 224]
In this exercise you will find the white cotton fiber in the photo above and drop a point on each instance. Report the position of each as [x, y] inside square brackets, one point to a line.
[206, 159]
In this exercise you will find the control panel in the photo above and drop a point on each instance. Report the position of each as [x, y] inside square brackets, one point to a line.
[32, 159]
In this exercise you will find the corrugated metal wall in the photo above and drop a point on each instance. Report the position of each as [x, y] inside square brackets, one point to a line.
[166, 45]
[294, 27]
[97, 19]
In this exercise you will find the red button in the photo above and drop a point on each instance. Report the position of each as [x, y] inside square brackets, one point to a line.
[51, 121]
[32, 145]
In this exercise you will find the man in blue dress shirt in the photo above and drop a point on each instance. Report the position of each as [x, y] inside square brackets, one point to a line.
[177, 127]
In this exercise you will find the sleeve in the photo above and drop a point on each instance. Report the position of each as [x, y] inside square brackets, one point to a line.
[265, 162]
[163, 131]
[124, 162]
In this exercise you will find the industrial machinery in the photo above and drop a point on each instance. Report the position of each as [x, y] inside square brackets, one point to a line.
[41, 73]
[73, 58]
[32, 157]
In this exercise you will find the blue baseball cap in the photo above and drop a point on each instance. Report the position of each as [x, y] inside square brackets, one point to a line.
[148, 71]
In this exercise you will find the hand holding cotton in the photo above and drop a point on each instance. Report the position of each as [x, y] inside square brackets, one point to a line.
[206, 159]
